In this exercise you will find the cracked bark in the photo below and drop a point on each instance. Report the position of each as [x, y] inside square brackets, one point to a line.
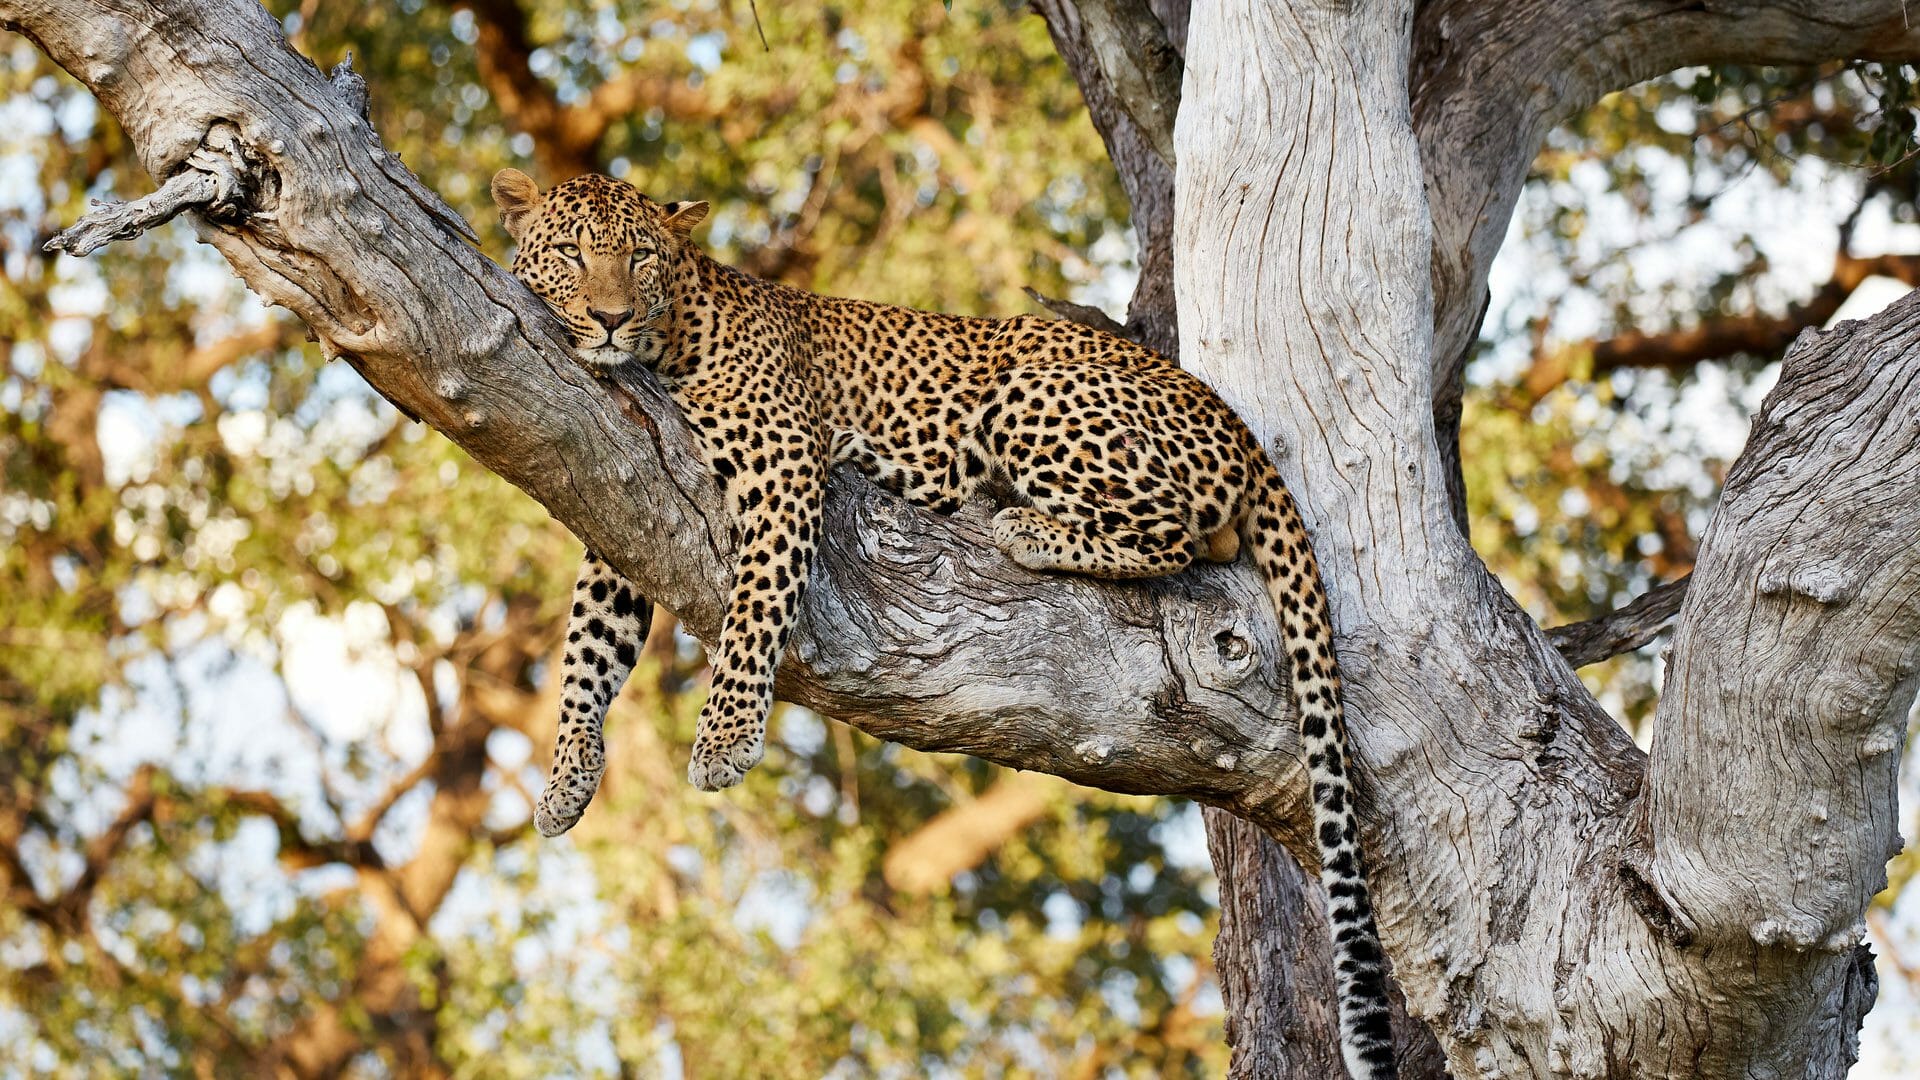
[1553, 901]
[1270, 952]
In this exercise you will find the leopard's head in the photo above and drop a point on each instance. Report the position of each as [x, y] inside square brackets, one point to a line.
[601, 255]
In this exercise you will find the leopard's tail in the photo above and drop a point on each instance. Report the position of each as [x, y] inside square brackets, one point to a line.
[1284, 555]
[605, 632]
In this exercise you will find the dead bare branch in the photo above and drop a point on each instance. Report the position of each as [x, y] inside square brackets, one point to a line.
[1625, 630]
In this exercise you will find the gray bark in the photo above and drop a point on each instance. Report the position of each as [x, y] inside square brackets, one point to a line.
[1539, 917]
[1271, 951]
[1625, 630]
[1554, 903]
[1487, 83]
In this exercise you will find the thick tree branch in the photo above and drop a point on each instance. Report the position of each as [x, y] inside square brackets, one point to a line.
[1144, 172]
[1255, 881]
[1501, 808]
[1802, 628]
[1140, 66]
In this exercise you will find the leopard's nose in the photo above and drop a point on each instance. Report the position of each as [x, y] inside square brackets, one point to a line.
[612, 320]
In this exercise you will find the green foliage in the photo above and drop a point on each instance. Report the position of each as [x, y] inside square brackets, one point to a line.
[238, 566]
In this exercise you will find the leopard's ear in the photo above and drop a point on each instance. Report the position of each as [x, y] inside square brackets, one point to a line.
[683, 216]
[518, 198]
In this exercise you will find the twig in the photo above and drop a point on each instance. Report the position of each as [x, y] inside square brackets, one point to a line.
[108, 222]
[753, 6]
[1084, 314]
[362, 831]
[214, 178]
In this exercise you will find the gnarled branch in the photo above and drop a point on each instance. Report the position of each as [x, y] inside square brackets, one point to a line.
[1620, 631]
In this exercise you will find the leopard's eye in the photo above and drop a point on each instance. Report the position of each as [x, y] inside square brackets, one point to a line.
[641, 255]
[571, 251]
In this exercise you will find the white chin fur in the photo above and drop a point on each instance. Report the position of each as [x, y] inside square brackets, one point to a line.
[603, 356]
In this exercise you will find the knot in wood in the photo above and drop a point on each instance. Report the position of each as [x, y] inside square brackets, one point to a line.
[242, 184]
[1094, 751]
[1232, 645]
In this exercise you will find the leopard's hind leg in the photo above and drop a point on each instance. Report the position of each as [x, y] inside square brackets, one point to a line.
[1039, 541]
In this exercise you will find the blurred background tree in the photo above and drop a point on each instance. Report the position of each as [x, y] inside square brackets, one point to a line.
[274, 662]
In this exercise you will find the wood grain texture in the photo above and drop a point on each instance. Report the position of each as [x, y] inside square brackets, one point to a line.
[1271, 953]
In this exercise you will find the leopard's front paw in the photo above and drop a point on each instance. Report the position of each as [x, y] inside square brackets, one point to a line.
[1017, 531]
[551, 820]
[716, 766]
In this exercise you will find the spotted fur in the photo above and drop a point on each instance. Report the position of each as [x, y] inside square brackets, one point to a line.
[605, 631]
[1121, 466]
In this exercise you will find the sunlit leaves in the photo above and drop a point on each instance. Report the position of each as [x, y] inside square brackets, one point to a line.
[256, 574]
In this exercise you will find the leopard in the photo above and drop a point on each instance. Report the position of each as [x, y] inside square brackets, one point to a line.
[1111, 460]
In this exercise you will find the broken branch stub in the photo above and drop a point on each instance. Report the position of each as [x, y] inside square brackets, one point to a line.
[221, 179]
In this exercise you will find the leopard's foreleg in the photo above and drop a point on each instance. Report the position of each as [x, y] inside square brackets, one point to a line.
[774, 483]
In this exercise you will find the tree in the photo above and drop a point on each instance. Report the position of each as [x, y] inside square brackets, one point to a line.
[1565, 841]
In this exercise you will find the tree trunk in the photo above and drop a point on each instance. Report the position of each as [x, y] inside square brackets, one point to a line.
[1554, 903]
[1298, 204]
[1276, 970]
